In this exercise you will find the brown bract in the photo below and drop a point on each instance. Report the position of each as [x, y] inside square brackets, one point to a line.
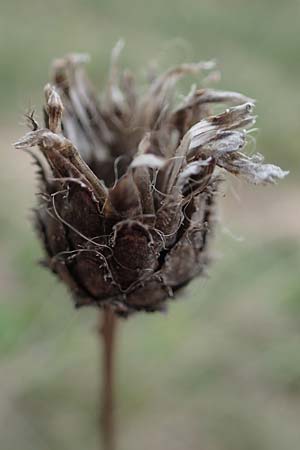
[129, 181]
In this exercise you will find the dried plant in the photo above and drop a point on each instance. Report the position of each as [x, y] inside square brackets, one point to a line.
[129, 185]
[129, 181]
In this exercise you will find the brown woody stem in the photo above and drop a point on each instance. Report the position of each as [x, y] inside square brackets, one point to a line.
[108, 329]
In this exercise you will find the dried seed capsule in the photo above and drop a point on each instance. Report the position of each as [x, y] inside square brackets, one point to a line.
[130, 182]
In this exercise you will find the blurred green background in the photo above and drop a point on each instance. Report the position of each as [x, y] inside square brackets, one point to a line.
[220, 371]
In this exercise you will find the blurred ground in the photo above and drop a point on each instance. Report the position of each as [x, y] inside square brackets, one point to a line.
[220, 371]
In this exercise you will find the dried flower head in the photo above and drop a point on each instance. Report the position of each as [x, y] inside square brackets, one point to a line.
[129, 182]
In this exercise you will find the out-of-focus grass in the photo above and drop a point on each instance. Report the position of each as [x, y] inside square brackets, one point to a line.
[221, 370]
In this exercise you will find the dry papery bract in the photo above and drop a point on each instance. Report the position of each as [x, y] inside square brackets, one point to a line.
[128, 180]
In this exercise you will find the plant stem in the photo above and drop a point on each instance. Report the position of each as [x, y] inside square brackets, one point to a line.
[108, 330]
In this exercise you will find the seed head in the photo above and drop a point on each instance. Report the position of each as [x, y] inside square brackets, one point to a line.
[129, 181]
